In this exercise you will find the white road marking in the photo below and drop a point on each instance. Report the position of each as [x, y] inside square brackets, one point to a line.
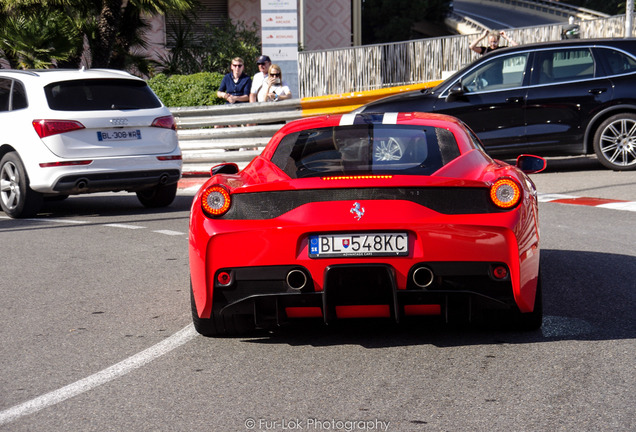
[125, 226]
[590, 202]
[122, 368]
[169, 232]
[629, 206]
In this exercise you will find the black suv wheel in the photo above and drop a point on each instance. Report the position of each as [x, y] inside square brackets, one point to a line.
[615, 142]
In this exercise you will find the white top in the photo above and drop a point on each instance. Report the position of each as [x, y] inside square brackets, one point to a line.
[278, 89]
[257, 82]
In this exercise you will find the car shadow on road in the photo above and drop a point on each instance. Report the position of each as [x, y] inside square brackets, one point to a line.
[115, 204]
[587, 296]
[569, 164]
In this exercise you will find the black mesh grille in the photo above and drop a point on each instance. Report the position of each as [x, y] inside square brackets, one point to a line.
[268, 205]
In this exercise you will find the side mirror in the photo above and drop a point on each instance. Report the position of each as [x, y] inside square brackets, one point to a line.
[225, 168]
[455, 92]
[531, 164]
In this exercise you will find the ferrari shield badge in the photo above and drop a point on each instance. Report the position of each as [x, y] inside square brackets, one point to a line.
[357, 210]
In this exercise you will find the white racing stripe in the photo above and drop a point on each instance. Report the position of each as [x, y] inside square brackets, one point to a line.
[347, 119]
[389, 118]
[122, 368]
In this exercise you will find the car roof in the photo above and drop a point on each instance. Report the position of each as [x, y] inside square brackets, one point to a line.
[616, 42]
[47, 76]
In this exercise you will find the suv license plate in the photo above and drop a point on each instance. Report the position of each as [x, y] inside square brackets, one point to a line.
[119, 135]
[359, 244]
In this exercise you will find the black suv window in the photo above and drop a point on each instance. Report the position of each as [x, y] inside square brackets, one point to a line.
[19, 100]
[100, 94]
[5, 93]
[570, 64]
[500, 73]
[618, 62]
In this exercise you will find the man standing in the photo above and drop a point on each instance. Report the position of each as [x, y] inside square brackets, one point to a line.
[263, 63]
[235, 86]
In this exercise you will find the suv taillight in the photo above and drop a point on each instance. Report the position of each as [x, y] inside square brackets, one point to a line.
[166, 122]
[45, 128]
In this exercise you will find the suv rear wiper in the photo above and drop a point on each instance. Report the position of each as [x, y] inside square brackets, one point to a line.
[123, 107]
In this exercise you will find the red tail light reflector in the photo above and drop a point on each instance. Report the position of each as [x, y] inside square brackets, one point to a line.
[45, 128]
[224, 278]
[169, 158]
[505, 193]
[216, 200]
[500, 272]
[65, 163]
[166, 122]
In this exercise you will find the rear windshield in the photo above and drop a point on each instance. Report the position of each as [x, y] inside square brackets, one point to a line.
[100, 94]
[365, 149]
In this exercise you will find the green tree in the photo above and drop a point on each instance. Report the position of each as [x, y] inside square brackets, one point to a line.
[111, 27]
[221, 44]
[211, 51]
[37, 40]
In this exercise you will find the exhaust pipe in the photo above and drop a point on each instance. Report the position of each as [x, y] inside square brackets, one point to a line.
[163, 179]
[423, 277]
[81, 183]
[296, 279]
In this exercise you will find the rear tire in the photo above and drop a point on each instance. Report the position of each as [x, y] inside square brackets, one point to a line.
[16, 197]
[615, 142]
[217, 325]
[158, 196]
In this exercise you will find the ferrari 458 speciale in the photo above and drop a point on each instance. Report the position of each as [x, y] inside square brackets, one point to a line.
[392, 215]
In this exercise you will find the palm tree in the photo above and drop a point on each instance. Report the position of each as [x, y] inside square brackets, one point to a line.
[38, 39]
[102, 22]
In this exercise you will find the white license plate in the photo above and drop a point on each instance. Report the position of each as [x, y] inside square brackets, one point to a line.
[119, 135]
[358, 244]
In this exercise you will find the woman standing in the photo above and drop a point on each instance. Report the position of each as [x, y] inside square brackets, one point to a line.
[274, 88]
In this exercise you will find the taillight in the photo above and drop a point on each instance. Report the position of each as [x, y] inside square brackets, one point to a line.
[166, 122]
[216, 200]
[65, 163]
[169, 158]
[45, 128]
[505, 193]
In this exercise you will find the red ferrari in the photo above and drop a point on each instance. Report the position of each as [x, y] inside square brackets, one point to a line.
[391, 215]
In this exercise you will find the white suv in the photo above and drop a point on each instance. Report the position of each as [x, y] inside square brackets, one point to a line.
[67, 132]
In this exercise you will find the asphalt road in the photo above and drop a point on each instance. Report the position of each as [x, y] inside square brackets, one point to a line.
[96, 335]
[494, 16]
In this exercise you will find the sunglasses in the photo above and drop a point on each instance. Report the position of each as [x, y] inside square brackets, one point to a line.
[237, 65]
[277, 74]
[261, 64]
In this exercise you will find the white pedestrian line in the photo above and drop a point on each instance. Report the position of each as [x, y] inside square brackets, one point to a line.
[122, 368]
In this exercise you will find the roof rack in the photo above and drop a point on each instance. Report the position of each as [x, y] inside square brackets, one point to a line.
[21, 71]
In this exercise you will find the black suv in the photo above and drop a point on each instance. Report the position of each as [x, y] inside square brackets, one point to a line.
[553, 99]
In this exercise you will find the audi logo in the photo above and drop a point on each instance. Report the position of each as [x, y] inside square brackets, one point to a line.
[121, 121]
